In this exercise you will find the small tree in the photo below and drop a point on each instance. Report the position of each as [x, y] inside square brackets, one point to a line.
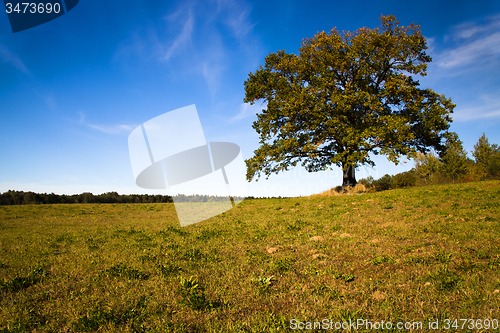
[383, 183]
[427, 166]
[454, 160]
[345, 97]
[487, 157]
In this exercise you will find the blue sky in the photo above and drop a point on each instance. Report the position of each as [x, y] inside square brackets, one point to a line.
[73, 89]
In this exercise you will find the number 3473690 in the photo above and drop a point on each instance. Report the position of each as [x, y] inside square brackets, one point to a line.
[26, 7]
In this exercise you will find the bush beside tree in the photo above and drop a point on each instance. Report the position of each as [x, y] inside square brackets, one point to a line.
[452, 165]
[404, 179]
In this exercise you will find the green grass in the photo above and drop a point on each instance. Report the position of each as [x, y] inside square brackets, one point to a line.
[416, 254]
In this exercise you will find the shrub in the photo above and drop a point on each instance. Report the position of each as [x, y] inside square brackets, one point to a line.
[475, 172]
[338, 189]
[404, 179]
[366, 181]
[383, 183]
[427, 168]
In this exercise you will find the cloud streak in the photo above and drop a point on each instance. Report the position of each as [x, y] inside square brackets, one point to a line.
[12, 59]
[196, 38]
[488, 108]
[113, 129]
[469, 29]
[477, 43]
[240, 25]
[480, 50]
[184, 38]
[120, 129]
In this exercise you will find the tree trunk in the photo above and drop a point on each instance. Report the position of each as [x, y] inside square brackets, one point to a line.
[349, 178]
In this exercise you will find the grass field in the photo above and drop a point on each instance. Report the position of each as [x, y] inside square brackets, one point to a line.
[408, 255]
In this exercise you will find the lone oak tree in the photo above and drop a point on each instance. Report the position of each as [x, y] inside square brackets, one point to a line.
[343, 97]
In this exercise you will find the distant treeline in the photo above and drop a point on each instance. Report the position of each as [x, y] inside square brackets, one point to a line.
[32, 198]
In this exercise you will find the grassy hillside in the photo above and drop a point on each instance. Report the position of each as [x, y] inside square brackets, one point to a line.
[407, 255]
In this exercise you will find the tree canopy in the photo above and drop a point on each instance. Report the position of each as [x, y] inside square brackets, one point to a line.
[344, 97]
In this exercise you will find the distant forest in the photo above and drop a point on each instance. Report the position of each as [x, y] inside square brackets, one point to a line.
[31, 198]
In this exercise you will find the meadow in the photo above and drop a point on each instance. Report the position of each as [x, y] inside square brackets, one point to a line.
[421, 254]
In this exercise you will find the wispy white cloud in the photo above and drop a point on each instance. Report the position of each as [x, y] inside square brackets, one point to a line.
[213, 63]
[487, 107]
[473, 113]
[481, 49]
[465, 30]
[247, 110]
[211, 72]
[9, 57]
[207, 46]
[196, 38]
[466, 64]
[240, 24]
[120, 129]
[475, 43]
[469, 29]
[113, 129]
[184, 37]
[82, 115]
